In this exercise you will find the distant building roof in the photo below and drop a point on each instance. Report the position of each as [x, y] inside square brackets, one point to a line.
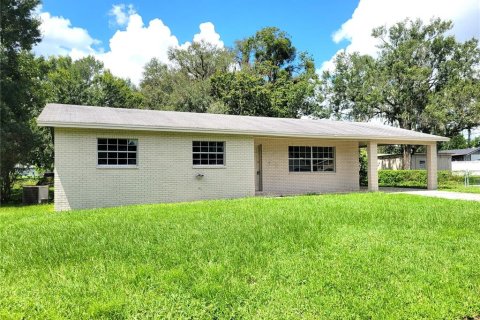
[74, 116]
[462, 152]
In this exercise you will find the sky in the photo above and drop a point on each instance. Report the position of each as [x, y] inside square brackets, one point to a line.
[126, 35]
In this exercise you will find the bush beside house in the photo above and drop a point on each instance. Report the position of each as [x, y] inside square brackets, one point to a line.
[416, 178]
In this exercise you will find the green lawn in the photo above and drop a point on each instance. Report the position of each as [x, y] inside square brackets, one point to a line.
[333, 256]
[462, 188]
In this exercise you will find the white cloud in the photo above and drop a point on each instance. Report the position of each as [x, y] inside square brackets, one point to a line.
[369, 14]
[59, 37]
[208, 34]
[121, 13]
[329, 65]
[130, 48]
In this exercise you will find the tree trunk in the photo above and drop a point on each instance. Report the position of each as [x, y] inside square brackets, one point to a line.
[5, 187]
[407, 157]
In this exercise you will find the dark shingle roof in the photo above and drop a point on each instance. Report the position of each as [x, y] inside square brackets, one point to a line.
[462, 152]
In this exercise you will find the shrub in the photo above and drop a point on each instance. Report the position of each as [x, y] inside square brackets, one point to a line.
[415, 178]
[363, 167]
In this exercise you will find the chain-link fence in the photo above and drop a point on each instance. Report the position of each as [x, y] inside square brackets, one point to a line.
[470, 178]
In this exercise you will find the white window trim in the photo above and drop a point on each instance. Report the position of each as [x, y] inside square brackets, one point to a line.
[311, 164]
[211, 166]
[117, 166]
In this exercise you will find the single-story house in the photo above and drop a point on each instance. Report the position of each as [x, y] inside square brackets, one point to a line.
[418, 161]
[110, 156]
[469, 154]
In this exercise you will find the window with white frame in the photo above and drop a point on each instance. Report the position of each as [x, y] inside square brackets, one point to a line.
[116, 152]
[208, 153]
[311, 159]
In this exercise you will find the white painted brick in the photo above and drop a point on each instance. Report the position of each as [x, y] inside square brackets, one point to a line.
[278, 180]
[164, 174]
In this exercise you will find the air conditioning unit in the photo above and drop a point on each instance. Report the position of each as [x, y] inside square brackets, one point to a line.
[35, 194]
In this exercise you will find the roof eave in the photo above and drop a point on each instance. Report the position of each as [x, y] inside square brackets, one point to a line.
[430, 138]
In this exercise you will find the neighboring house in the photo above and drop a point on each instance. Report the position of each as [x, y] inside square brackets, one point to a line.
[469, 154]
[466, 160]
[110, 157]
[418, 161]
[462, 167]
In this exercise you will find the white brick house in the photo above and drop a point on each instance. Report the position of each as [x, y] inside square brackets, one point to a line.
[110, 157]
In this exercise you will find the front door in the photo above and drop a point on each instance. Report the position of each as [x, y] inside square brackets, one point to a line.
[258, 168]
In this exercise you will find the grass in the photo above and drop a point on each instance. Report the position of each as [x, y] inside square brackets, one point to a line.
[452, 187]
[333, 256]
[461, 188]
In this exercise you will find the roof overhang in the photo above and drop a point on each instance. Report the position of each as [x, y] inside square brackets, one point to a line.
[362, 138]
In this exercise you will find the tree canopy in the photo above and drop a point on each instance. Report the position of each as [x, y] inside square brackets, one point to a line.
[201, 60]
[184, 85]
[272, 79]
[22, 97]
[422, 79]
[263, 76]
[86, 82]
[83, 82]
[270, 51]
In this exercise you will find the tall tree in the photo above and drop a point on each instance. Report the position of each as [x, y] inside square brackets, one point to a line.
[87, 82]
[475, 143]
[456, 142]
[273, 80]
[243, 93]
[157, 85]
[422, 79]
[19, 27]
[269, 51]
[457, 107]
[269, 78]
[21, 97]
[69, 81]
[295, 96]
[185, 84]
[167, 88]
[201, 60]
[111, 91]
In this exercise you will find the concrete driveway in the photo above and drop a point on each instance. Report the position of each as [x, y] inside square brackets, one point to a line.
[436, 194]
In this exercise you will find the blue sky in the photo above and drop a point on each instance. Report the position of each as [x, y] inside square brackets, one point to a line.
[310, 24]
[126, 35]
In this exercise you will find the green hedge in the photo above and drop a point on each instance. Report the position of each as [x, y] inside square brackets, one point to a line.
[415, 178]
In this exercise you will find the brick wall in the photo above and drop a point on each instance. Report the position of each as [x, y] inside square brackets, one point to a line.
[278, 180]
[164, 172]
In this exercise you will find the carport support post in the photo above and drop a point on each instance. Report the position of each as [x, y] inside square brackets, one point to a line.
[431, 166]
[372, 167]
